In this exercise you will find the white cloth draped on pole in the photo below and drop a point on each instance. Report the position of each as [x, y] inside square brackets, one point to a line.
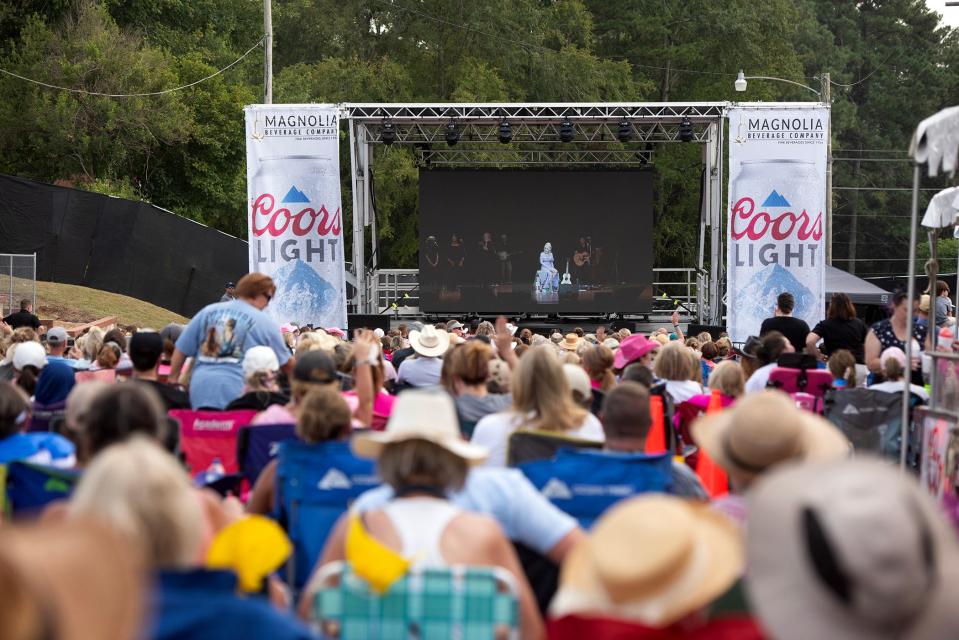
[936, 142]
[942, 209]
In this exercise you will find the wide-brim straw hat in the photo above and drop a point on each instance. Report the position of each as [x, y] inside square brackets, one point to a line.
[653, 559]
[764, 429]
[430, 342]
[421, 415]
[850, 550]
[570, 342]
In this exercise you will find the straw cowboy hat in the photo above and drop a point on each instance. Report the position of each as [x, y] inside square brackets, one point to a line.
[691, 554]
[421, 415]
[851, 550]
[430, 342]
[765, 429]
[570, 342]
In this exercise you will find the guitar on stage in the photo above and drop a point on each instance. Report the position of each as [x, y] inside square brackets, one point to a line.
[567, 279]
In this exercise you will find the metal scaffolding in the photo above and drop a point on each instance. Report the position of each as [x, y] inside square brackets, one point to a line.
[535, 140]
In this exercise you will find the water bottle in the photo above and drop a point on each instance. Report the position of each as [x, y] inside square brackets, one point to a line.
[213, 473]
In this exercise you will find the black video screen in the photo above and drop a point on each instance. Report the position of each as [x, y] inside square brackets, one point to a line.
[532, 241]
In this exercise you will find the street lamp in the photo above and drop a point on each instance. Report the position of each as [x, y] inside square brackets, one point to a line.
[741, 79]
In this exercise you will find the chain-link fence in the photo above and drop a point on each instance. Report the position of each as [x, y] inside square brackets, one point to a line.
[18, 281]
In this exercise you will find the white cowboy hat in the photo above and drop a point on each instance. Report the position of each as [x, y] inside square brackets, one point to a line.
[430, 342]
[691, 555]
[421, 415]
[850, 550]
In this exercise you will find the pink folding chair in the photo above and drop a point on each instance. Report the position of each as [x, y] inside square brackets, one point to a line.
[205, 435]
[815, 382]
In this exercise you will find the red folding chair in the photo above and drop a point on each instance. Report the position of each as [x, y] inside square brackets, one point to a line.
[205, 435]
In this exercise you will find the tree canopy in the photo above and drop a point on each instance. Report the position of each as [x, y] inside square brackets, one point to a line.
[891, 63]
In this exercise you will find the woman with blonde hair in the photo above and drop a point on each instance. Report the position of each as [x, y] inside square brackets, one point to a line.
[728, 379]
[90, 345]
[145, 495]
[541, 401]
[674, 364]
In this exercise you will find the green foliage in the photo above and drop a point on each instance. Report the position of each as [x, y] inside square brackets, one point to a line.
[891, 63]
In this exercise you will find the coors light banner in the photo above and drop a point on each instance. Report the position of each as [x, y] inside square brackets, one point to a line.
[294, 219]
[777, 205]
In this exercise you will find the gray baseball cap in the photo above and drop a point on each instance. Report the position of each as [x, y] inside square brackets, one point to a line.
[57, 335]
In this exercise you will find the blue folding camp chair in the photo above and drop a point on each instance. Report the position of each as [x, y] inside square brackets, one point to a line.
[585, 483]
[31, 487]
[467, 603]
[257, 444]
[315, 484]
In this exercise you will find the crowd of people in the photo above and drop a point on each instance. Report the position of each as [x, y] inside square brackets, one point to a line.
[803, 539]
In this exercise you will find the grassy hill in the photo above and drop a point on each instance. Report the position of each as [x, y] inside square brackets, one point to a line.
[69, 303]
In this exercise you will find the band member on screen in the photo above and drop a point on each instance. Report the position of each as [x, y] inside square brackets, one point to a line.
[505, 259]
[455, 257]
[432, 252]
[583, 260]
[486, 259]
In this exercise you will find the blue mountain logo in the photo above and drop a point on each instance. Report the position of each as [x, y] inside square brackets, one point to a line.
[776, 200]
[295, 195]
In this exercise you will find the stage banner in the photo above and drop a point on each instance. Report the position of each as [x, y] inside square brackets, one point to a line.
[777, 204]
[294, 212]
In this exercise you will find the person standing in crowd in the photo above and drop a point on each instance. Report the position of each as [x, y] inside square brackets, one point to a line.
[795, 329]
[840, 330]
[146, 349]
[891, 332]
[24, 317]
[229, 293]
[220, 334]
[424, 369]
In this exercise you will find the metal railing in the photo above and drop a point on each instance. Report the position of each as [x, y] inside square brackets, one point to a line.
[682, 289]
[18, 281]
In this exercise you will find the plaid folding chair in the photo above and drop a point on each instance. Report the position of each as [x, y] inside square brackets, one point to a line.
[458, 602]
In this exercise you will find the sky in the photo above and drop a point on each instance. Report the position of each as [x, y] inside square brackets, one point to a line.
[950, 15]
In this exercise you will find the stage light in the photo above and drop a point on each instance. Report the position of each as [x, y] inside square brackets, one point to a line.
[686, 130]
[505, 131]
[387, 132]
[625, 132]
[740, 83]
[452, 133]
[566, 131]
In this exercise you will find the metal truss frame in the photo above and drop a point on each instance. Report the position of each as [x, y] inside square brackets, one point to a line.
[536, 142]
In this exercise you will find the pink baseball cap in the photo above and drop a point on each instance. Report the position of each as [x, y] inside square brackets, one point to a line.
[633, 348]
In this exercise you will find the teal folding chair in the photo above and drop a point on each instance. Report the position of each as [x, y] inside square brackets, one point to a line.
[466, 603]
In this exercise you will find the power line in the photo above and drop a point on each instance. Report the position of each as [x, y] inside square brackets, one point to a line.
[134, 95]
[888, 58]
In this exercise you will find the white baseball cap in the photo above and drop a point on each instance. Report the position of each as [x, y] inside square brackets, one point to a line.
[29, 353]
[260, 358]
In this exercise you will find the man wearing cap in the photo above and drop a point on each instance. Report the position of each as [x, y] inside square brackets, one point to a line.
[57, 340]
[146, 348]
[230, 293]
[424, 369]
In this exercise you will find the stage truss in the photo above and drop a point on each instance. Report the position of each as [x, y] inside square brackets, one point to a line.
[536, 142]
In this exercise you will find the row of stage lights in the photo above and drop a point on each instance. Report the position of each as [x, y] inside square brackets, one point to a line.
[567, 132]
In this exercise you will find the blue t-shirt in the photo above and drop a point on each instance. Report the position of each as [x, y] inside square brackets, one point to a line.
[505, 495]
[203, 604]
[217, 337]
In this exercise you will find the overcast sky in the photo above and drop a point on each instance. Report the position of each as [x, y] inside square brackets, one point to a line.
[950, 15]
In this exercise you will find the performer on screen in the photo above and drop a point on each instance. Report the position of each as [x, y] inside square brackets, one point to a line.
[583, 261]
[505, 258]
[487, 259]
[547, 278]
